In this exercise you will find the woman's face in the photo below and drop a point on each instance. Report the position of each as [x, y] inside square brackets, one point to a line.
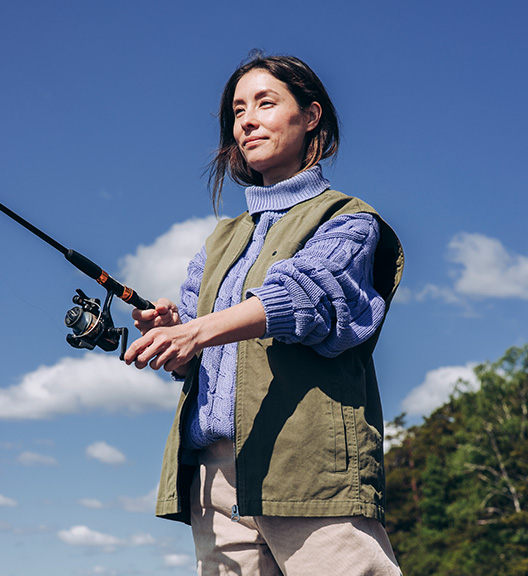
[270, 128]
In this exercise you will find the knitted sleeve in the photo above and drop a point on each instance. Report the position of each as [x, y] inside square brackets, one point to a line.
[323, 296]
[191, 287]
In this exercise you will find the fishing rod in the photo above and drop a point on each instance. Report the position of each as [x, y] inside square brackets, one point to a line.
[91, 323]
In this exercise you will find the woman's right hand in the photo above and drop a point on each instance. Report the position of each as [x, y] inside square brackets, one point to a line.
[165, 313]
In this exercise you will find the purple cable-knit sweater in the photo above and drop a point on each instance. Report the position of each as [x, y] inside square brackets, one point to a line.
[322, 297]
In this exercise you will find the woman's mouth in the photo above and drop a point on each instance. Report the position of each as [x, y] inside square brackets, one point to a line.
[253, 141]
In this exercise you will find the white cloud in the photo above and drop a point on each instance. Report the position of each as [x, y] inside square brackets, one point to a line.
[84, 536]
[433, 292]
[146, 503]
[171, 560]
[141, 539]
[105, 453]
[7, 502]
[34, 459]
[159, 269]
[437, 387]
[10, 445]
[485, 269]
[92, 382]
[394, 436]
[488, 269]
[91, 503]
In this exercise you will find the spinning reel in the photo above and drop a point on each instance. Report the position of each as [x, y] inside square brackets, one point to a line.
[92, 325]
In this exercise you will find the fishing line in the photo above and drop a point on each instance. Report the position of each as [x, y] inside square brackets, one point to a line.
[91, 323]
[58, 327]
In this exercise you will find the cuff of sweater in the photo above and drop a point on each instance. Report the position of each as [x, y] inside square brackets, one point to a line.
[278, 306]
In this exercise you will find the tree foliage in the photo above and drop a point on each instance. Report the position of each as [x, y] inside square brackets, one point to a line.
[457, 485]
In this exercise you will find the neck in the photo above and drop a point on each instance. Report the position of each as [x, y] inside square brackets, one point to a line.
[272, 179]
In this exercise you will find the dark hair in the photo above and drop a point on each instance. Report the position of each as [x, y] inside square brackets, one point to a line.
[322, 142]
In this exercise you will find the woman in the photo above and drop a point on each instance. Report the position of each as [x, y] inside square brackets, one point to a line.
[275, 457]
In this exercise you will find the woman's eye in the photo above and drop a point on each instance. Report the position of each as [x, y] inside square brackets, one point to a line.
[238, 111]
[266, 103]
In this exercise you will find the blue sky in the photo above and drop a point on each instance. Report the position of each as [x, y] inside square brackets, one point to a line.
[108, 122]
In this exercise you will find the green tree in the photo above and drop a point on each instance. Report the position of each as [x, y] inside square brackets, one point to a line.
[494, 439]
[457, 485]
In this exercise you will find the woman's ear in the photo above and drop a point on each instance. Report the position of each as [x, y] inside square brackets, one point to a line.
[314, 113]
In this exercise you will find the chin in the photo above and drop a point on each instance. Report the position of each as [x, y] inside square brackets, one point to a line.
[257, 166]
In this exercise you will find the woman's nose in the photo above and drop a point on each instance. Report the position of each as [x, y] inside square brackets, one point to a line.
[249, 120]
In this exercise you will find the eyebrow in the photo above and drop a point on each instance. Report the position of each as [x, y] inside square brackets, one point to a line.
[258, 95]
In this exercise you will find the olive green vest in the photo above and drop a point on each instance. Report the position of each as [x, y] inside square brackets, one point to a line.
[308, 429]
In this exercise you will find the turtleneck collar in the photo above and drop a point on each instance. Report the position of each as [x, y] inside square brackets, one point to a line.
[283, 195]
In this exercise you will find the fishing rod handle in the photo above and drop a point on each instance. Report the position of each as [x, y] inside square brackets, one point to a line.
[137, 301]
[94, 271]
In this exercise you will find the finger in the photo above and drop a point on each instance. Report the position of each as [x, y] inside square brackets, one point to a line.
[166, 303]
[146, 355]
[163, 306]
[168, 312]
[145, 327]
[136, 348]
[177, 364]
[144, 315]
[169, 354]
[150, 354]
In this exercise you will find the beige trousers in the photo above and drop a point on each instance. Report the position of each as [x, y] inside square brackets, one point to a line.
[276, 546]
